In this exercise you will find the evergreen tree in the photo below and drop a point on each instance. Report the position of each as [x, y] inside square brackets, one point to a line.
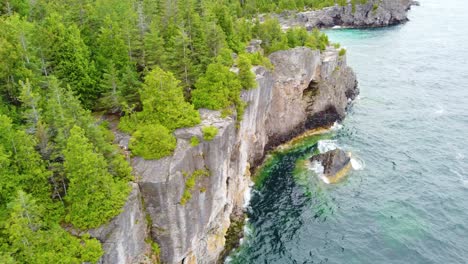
[93, 197]
[163, 103]
[246, 76]
[218, 88]
[70, 59]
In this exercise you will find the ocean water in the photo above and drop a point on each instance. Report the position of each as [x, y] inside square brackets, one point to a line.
[407, 200]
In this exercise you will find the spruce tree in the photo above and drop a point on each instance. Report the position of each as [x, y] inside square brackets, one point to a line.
[93, 197]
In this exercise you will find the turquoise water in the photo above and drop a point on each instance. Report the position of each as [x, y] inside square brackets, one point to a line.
[409, 204]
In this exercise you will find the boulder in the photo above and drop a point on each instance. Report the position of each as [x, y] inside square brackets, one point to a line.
[336, 163]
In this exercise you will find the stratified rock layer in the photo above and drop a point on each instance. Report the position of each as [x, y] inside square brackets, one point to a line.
[303, 84]
[375, 13]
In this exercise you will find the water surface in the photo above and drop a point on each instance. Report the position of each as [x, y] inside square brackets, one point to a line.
[410, 202]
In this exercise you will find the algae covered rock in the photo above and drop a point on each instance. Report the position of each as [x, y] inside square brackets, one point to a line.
[336, 163]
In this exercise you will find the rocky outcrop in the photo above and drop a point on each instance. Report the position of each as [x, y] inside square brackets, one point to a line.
[288, 100]
[306, 89]
[374, 13]
[336, 163]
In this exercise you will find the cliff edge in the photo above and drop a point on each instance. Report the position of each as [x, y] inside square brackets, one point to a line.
[306, 89]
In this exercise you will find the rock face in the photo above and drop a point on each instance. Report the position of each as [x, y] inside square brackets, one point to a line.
[335, 164]
[124, 237]
[375, 13]
[304, 87]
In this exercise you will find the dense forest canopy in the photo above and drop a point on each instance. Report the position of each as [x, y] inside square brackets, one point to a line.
[153, 62]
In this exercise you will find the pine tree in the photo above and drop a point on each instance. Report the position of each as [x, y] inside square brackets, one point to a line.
[154, 47]
[70, 59]
[218, 88]
[17, 58]
[163, 102]
[92, 196]
[246, 76]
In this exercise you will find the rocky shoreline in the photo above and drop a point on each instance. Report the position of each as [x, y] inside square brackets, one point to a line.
[307, 89]
[375, 13]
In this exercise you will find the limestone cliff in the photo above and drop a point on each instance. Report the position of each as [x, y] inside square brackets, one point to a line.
[306, 89]
[374, 13]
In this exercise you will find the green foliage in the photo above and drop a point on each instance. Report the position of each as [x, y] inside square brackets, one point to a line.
[246, 76]
[163, 103]
[86, 206]
[146, 60]
[375, 7]
[274, 39]
[190, 182]
[152, 142]
[342, 52]
[209, 132]
[218, 88]
[32, 240]
[258, 59]
[194, 141]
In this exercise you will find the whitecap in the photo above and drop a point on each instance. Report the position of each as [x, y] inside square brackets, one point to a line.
[460, 156]
[318, 168]
[357, 164]
[440, 110]
[336, 126]
[327, 145]
[461, 177]
[247, 196]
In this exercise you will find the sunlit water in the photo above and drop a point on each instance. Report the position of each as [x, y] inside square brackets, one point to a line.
[409, 202]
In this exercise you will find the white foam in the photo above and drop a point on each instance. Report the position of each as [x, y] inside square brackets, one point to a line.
[460, 156]
[357, 164]
[327, 145]
[462, 178]
[318, 168]
[336, 126]
[440, 110]
[248, 195]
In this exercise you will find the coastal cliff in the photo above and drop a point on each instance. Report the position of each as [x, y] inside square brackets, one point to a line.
[306, 89]
[374, 13]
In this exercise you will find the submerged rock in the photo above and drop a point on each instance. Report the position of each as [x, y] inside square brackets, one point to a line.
[336, 163]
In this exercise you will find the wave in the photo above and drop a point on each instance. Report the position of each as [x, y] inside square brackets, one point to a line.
[318, 168]
[463, 178]
[336, 126]
[357, 163]
[327, 145]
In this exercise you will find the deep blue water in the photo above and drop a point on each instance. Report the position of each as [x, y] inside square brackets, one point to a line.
[409, 204]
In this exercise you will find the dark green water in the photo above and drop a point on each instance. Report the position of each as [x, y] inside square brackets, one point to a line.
[409, 204]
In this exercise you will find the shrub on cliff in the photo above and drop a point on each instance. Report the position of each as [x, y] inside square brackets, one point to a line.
[209, 132]
[163, 103]
[152, 142]
[246, 76]
[342, 52]
[218, 88]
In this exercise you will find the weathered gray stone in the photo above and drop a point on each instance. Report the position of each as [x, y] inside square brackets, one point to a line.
[123, 238]
[375, 13]
[254, 46]
[332, 161]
